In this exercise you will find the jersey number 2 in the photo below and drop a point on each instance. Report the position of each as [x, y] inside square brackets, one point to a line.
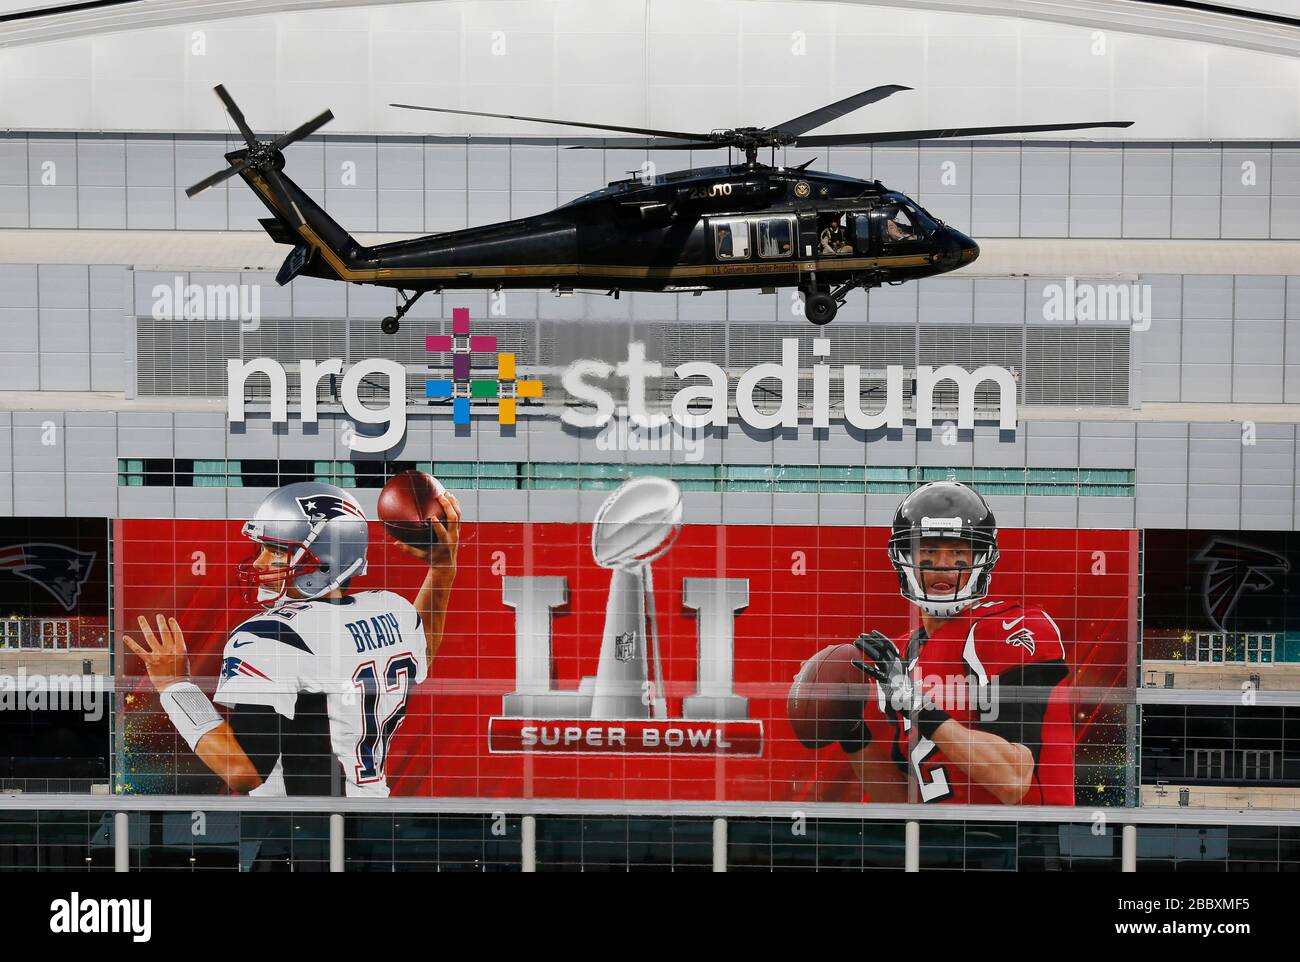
[397, 678]
[937, 787]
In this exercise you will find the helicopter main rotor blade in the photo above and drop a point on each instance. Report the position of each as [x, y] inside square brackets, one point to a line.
[824, 115]
[213, 179]
[615, 144]
[303, 130]
[236, 114]
[672, 134]
[832, 140]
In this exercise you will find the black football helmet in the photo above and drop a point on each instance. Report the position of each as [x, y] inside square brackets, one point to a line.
[944, 509]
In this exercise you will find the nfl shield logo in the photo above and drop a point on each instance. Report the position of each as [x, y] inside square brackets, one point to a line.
[625, 646]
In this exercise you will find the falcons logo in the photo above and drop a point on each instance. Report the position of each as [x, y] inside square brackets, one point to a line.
[60, 570]
[1023, 638]
[1231, 569]
[326, 507]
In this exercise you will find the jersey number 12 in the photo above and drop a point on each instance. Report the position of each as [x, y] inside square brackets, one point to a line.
[376, 735]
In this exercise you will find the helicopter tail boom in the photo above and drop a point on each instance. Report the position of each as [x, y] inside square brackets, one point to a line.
[322, 246]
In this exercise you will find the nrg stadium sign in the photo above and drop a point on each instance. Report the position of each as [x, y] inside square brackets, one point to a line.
[704, 400]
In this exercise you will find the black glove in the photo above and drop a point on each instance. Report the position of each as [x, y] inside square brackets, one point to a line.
[880, 660]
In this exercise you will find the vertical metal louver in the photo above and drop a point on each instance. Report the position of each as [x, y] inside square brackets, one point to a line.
[183, 358]
[971, 347]
[1058, 365]
[1077, 365]
[674, 344]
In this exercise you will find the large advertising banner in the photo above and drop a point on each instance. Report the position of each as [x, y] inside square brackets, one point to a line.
[634, 657]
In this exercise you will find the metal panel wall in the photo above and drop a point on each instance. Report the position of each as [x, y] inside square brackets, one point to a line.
[1188, 475]
[424, 184]
[1220, 338]
[1211, 338]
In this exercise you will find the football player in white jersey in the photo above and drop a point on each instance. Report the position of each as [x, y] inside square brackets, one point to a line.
[316, 684]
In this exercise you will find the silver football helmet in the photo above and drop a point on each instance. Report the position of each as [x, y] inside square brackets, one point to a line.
[324, 532]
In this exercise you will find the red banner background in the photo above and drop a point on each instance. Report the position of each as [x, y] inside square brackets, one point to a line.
[808, 587]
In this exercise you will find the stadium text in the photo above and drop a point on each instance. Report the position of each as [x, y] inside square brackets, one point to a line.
[705, 400]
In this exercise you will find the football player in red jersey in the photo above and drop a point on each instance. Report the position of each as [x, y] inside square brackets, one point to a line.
[973, 705]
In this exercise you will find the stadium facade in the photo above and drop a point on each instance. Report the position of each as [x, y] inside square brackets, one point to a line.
[1143, 294]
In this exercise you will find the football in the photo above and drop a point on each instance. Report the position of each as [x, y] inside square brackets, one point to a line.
[406, 504]
[827, 699]
[637, 523]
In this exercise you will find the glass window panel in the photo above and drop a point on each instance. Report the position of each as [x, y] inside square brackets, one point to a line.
[875, 473]
[943, 474]
[744, 472]
[1106, 475]
[1054, 475]
[731, 239]
[602, 471]
[543, 470]
[787, 472]
[1052, 490]
[454, 469]
[775, 236]
[1002, 488]
[1106, 490]
[842, 473]
[888, 487]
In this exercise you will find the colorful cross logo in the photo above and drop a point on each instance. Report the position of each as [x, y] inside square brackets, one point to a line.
[461, 388]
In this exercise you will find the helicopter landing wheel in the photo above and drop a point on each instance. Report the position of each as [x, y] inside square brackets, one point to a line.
[820, 308]
[393, 323]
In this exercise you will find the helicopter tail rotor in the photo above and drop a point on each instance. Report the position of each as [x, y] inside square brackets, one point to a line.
[265, 158]
[322, 247]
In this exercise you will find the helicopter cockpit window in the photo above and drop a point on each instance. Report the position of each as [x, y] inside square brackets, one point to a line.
[775, 236]
[731, 239]
[899, 225]
[833, 235]
[925, 224]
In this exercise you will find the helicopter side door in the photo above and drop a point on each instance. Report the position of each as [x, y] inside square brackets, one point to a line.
[808, 233]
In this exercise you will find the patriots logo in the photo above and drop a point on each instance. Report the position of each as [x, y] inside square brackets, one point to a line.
[326, 507]
[1233, 568]
[1022, 639]
[60, 570]
[232, 666]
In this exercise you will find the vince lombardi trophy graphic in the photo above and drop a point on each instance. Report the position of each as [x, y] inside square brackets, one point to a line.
[637, 524]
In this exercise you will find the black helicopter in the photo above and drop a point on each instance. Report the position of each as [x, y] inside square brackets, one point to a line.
[744, 225]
